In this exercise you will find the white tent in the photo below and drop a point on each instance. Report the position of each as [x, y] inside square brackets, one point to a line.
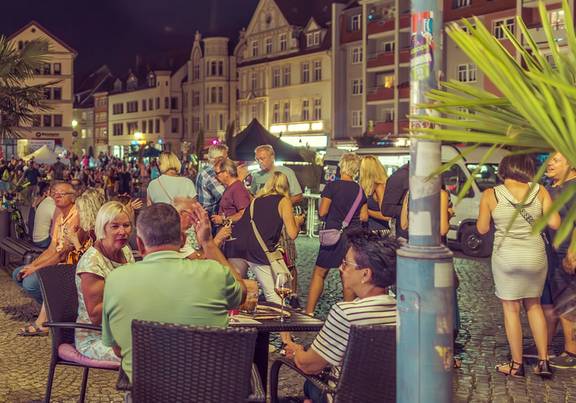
[43, 155]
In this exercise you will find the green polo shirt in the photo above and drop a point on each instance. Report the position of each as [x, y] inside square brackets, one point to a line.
[164, 287]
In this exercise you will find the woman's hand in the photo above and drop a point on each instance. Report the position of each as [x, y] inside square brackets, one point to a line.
[136, 204]
[222, 234]
[300, 219]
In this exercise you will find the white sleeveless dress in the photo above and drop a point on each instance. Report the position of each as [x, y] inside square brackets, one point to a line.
[519, 262]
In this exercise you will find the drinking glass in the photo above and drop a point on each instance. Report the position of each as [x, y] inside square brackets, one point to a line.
[227, 222]
[251, 303]
[283, 287]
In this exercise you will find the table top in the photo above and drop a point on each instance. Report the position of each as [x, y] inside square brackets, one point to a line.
[297, 322]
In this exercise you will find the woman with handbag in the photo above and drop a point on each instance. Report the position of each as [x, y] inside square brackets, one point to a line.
[257, 233]
[373, 179]
[561, 276]
[170, 184]
[343, 206]
[519, 262]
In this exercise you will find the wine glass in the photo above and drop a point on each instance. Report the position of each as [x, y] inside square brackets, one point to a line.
[283, 287]
[227, 222]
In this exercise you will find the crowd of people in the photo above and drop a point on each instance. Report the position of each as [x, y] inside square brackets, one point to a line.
[199, 236]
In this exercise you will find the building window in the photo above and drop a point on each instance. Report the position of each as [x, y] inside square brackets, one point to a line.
[144, 126]
[356, 118]
[174, 124]
[499, 27]
[47, 121]
[355, 22]
[357, 55]
[47, 93]
[57, 93]
[132, 127]
[132, 106]
[467, 73]
[196, 72]
[317, 109]
[221, 68]
[157, 125]
[220, 95]
[207, 122]
[305, 72]
[276, 113]
[57, 120]
[151, 80]
[275, 78]
[461, 3]
[286, 76]
[174, 103]
[312, 39]
[306, 109]
[253, 81]
[195, 124]
[283, 43]
[268, 47]
[144, 105]
[317, 72]
[57, 69]
[221, 121]
[286, 115]
[357, 86]
[557, 19]
[388, 47]
[46, 69]
[157, 102]
[255, 48]
[117, 129]
[195, 98]
[36, 120]
[117, 109]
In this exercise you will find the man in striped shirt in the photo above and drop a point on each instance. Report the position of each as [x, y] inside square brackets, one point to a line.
[368, 269]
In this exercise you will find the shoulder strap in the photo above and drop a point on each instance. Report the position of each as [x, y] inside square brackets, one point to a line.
[165, 192]
[352, 210]
[256, 232]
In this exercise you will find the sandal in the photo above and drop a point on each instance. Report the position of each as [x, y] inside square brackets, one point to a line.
[543, 369]
[32, 330]
[508, 367]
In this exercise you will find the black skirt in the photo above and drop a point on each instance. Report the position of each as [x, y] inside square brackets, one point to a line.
[330, 257]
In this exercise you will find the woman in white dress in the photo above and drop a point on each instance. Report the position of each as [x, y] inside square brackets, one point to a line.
[113, 228]
[519, 262]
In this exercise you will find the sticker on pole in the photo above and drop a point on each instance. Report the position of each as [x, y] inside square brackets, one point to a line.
[443, 275]
[422, 45]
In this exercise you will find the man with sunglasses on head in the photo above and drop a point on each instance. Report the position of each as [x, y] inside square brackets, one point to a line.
[66, 221]
[369, 269]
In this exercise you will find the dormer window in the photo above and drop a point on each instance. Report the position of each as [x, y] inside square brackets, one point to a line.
[117, 85]
[313, 39]
[132, 82]
[151, 80]
[255, 49]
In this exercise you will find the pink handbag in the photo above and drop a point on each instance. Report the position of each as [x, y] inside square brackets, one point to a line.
[329, 237]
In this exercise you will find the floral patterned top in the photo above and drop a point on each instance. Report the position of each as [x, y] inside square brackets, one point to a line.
[93, 261]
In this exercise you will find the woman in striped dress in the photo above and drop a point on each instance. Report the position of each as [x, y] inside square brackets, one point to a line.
[519, 261]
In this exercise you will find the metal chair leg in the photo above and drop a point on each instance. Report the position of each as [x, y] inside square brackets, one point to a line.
[274, 372]
[84, 383]
[51, 372]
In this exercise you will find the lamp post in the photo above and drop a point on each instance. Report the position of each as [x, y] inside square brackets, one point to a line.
[425, 272]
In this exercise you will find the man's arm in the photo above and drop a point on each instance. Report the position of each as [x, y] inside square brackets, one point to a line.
[308, 361]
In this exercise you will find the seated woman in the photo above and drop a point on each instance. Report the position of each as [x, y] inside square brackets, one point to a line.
[113, 228]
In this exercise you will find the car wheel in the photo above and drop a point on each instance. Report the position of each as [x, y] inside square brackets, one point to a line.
[475, 245]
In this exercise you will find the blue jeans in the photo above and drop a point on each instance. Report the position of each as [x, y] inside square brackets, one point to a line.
[43, 244]
[312, 392]
[30, 284]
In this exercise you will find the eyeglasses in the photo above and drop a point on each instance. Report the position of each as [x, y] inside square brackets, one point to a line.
[61, 194]
[219, 172]
[346, 264]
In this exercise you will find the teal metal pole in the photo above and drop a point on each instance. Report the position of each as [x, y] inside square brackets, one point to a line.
[425, 277]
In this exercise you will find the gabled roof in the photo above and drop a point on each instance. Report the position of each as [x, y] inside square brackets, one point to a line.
[299, 12]
[44, 30]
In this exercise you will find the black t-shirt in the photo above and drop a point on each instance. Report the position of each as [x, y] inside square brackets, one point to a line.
[32, 175]
[124, 179]
[397, 186]
[342, 193]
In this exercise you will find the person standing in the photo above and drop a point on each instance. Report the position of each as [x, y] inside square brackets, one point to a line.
[124, 181]
[561, 278]
[58, 170]
[266, 158]
[169, 185]
[210, 190]
[397, 186]
[373, 181]
[519, 262]
[31, 176]
[236, 198]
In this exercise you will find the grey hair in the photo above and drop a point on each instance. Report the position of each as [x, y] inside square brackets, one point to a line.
[216, 151]
[228, 166]
[159, 225]
[265, 147]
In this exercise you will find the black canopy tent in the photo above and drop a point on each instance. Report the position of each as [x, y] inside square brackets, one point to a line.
[255, 134]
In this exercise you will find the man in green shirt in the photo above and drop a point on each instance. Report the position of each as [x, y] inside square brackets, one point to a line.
[165, 286]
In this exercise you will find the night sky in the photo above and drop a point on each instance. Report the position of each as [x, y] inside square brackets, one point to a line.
[112, 32]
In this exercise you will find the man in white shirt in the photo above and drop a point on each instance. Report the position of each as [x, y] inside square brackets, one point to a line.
[45, 208]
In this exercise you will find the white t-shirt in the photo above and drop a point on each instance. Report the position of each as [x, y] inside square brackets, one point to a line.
[165, 188]
[43, 219]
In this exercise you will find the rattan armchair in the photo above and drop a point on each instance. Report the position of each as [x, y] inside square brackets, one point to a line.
[368, 371]
[61, 300]
[178, 363]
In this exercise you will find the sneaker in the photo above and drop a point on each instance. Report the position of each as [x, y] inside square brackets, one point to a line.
[532, 352]
[564, 361]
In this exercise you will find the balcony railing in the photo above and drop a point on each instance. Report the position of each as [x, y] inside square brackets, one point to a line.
[257, 92]
[379, 93]
[378, 59]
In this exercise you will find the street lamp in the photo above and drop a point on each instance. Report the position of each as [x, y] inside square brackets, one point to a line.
[138, 135]
[74, 123]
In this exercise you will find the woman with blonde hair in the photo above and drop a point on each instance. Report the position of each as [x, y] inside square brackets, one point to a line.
[373, 179]
[112, 228]
[169, 185]
[272, 210]
[339, 199]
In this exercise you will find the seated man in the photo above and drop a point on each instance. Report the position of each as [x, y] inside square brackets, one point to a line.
[44, 211]
[165, 286]
[368, 268]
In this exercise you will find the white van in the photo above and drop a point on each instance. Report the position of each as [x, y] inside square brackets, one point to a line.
[463, 224]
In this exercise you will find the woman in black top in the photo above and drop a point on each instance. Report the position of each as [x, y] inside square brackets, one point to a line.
[337, 199]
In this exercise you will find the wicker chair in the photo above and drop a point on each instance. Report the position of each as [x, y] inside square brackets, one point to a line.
[177, 363]
[61, 301]
[368, 371]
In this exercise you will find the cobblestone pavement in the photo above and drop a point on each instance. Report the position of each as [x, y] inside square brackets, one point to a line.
[481, 344]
